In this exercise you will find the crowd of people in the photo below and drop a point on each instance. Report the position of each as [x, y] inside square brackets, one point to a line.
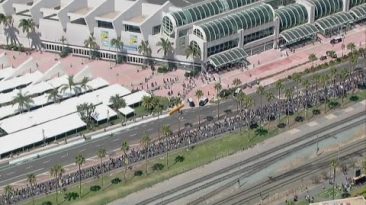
[248, 117]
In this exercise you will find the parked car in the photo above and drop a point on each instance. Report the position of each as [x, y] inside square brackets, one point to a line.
[203, 101]
[323, 58]
[336, 40]
[191, 102]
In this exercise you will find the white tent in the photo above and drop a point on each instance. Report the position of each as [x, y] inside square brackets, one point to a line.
[135, 98]
[103, 112]
[126, 110]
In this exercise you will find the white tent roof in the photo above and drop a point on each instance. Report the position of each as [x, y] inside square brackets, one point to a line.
[8, 110]
[126, 110]
[57, 110]
[103, 112]
[19, 81]
[6, 72]
[57, 82]
[97, 83]
[29, 90]
[135, 97]
[38, 133]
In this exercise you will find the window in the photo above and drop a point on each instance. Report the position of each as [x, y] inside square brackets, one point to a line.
[131, 28]
[156, 30]
[222, 47]
[104, 24]
[257, 35]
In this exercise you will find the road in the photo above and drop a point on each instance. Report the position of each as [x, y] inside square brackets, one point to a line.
[13, 173]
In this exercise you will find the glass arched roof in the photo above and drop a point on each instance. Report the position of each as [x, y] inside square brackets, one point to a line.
[299, 33]
[356, 2]
[326, 7]
[233, 55]
[230, 24]
[359, 12]
[201, 11]
[291, 16]
[334, 21]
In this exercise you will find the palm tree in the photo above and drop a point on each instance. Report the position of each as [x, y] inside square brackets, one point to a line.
[334, 167]
[165, 45]
[297, 79]
[353, 61]
[54, 96]
[148, 103]
[32, 180]
[236, 82]
[199, 94]
[84, 84]
[192, 51]
[167, 132]
[333, 74]
[125, 147]
[91, 44]
[279, 87]
[24, 101]
[270, 97]
[71, 85]
[306, 85]
[364, 166]
[312, 57]
[27, 26]
[101, 153]
[145, 142]
[57, 172]
[261, 92]
[117, 102]
[343, 75]
[218, 88]
[9, 190]
[79, 160]
[324, 82]
[351, 47]
[63, 40]
[144, 49]
[289, 95]
[118, 44]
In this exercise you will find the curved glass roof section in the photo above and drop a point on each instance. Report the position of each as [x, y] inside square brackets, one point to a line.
[326, 7]
[201, 11]
[299, 33]
[233, 55]
[359, 12]
[356, 2]
[230, 24]
[291, 16]
[334, 21]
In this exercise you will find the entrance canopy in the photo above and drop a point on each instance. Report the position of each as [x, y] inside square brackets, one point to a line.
[299, 33]
[334, 21]
[234, 55]
[359, 12]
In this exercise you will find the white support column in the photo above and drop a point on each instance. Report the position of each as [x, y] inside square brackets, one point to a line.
[276, 32]
[346, 5]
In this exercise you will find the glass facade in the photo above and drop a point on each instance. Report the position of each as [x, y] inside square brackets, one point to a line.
[222, 47]
[234, 55]
[356, 2]
[326, 7]
[299, 33]
[359, 12]
[104, 24]
[291, 16]
[334, 21]
[257, 35]
[230, 24]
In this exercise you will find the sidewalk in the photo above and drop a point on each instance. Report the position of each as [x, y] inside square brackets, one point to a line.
[205, 170]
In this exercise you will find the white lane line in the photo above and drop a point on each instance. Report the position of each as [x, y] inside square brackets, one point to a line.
[28, 167]
[115, 140]
[82, 150]
[45, 162]
[9, 173]
[133, 135]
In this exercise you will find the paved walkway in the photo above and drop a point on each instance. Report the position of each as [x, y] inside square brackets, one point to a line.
[230, 160]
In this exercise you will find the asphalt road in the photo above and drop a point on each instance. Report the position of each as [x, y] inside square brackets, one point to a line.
[13, 173]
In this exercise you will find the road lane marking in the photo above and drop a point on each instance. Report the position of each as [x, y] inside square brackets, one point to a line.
[28, 167]
[45, 162]
[9, 173]
[82, 150]
[115, 140]
[133, 135]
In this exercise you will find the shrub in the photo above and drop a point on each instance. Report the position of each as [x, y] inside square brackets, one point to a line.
[261, 131]
[316, 112]
[71, 196]
[253, 125]
[225, 93]
[333, 104]
[157, 167]
[179, 158]
[95, 188]
[345, 195]
[65, 52]
[46, 203]
[163, 69]
[299, 118]
[119, 59]
[138, 173]
[281, 125]
[116, 180]
[354, 98]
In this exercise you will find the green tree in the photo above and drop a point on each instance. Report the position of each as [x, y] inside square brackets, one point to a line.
[118, 44]
[353, 62]
[54, 96]
[334, 165]
[117, 102]
[218, 88]
[333, 75]
[198, 95]
[86, 112]
[23, 101]
[149, 103]
[324, 80]
[343, 76]
[351, 47]
[306, 85]
[56, 172]
[164, 45]
[124, 148]
[27, 26]
[192, 51]
[79, 160]
[91, 43]
[101, 153]
[167, 132]
[279, 87]
[145, 50]
[32, 180]
[9, 191]
[289, 95]
[297, 79]
[71, 85]
[261, 92]
[83, 85]
[270, 97]
[63, 40]
[145, 143]
[312, 58]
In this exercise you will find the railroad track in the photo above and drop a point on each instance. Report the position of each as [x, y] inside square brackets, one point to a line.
[305, 170]
[227, 174]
